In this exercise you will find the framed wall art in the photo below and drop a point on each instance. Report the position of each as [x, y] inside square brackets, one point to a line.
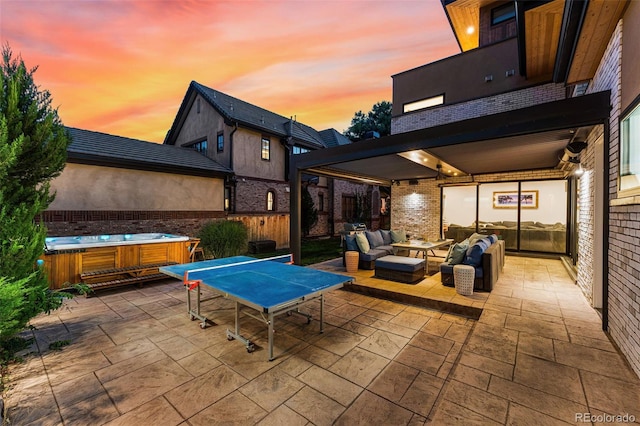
[509, 199]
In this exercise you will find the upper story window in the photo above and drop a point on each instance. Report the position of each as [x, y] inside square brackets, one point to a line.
[220, 141]
[630, 151]
[265, 151]
[423, 103]
[300, 150]
[200, 146]
[271, 201]
[503, 13]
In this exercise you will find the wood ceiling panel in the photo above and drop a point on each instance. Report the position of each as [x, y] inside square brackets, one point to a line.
[464, 14]
[600, 22]
[542, 31]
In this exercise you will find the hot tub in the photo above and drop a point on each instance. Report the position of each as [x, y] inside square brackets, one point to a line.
[87, 241]
[67, 258]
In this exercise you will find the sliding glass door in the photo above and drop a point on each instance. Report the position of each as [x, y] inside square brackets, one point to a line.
[528, 215]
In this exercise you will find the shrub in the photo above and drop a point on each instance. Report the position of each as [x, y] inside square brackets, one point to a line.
[224, 238]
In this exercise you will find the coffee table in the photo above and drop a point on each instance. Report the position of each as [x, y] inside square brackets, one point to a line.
[424, 247]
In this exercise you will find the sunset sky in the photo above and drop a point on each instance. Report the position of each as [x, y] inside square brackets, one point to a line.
[123, 67]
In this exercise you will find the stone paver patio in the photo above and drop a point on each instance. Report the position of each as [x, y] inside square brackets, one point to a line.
[536, 355]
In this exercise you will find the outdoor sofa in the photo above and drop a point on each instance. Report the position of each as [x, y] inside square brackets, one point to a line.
[485, 253]
[372, 245]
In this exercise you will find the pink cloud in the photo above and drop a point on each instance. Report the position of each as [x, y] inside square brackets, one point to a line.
[123, 67]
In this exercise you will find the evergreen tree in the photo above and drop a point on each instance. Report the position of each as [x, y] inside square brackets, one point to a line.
[33, 147]
[309, 212]
[377, 120]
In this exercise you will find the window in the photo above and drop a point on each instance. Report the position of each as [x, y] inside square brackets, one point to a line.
[201, 146]
[503, 13]
[266, 148]
[271, 201]
[227, 198]
[348, 207]
[630, 150]
[300, 150]
[320, 202]
[220, 141]
[424, 103]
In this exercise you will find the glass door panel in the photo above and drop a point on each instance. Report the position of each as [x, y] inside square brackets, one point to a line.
[498, 211]
[543, 216]
[458, 211]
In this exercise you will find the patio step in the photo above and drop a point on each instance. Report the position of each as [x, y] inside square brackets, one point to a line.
[440, 305]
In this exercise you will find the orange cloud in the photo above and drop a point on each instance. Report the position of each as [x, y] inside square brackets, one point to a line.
[123, 67]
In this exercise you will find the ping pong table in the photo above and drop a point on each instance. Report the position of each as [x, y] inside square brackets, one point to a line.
[271, 286]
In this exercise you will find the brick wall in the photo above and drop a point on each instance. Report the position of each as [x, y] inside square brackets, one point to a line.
[71, 223]
[624, 221]
[478, 107]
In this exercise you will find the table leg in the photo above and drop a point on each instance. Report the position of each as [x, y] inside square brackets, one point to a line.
[322, 313]
[271, 336]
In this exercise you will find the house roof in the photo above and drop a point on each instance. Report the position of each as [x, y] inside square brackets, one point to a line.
[102, 149]
[332, 137]
[235, 110]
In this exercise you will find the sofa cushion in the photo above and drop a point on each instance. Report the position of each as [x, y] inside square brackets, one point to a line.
[350, 241]
[363, 243]
[458, 252]
[388, 249]
[386, 236]
[400, 263]
[373, 254]
[375, 238]
[399, 236]
[474, 253]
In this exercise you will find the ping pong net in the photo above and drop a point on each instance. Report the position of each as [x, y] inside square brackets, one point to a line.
[194, 283]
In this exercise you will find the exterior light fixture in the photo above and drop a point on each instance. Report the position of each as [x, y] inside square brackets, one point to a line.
[471, 29]
[579, 171]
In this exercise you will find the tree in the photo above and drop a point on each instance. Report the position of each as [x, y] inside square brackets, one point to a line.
[376, 120]
[309, 213]
[33, 147]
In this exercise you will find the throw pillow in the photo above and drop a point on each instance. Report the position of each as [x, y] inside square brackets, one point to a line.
[350, 241]
[493, 238]
[448, 256]
[363, 243]
[398, 236]
[474, 253]
[458, 252]
[475, 237]
[374, 238]
[386, 237]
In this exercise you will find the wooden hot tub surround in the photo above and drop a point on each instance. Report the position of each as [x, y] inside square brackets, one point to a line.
[113, 265]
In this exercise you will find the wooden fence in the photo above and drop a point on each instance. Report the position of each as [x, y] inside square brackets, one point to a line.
[266, 227]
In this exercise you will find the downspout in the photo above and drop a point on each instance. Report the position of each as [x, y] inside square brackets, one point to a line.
[605, 230]
[522, 47]
[235, 181]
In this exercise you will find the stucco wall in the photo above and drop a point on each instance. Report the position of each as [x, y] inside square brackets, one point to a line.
[247, 160]
[203, 121]
[84, 187]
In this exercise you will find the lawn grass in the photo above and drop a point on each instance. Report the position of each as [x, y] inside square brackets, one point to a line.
[313, 250]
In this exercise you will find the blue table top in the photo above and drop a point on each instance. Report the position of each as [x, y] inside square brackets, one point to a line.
[265, 283]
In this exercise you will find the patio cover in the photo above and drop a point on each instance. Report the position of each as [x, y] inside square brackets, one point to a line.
[524, 139]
